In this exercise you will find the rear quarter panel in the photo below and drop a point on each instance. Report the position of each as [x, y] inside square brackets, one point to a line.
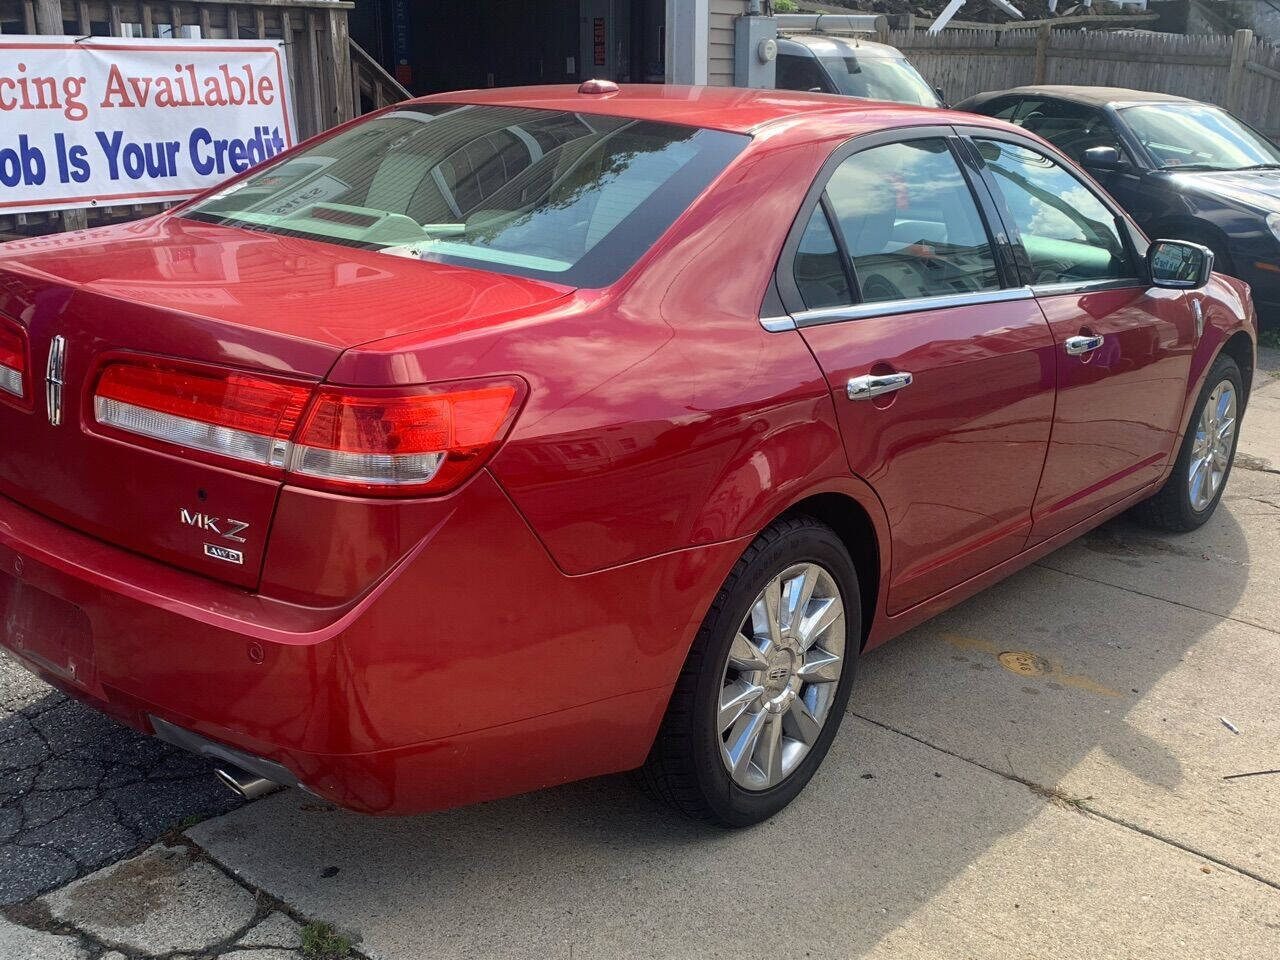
[661, 415]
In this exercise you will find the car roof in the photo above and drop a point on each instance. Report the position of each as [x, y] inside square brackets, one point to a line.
[827, 45]
[1092, 96]
[733, 109]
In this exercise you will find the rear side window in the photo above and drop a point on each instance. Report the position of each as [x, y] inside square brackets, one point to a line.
[1004, 109]
[1067, 232]
[819, 274]
[568, 197]
[910, 223]
[1071, 127]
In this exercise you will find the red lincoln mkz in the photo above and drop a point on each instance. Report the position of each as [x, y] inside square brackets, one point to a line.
[504, 438]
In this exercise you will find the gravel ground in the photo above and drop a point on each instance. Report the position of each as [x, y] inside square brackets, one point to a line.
[78, 790]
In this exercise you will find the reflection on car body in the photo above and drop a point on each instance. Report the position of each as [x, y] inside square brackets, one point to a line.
[614, 454]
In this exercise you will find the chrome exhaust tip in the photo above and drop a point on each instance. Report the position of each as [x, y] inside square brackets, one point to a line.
[244, 784]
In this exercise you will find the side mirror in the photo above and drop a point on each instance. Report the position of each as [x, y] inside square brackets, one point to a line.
[1179, 264]
[941, 95]
[1103, 158]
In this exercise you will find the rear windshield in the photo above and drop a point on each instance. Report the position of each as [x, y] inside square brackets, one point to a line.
[573, 198]
[879, 78]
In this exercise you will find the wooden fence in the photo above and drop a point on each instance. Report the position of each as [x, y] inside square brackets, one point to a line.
[332, 78]
[1236, 72]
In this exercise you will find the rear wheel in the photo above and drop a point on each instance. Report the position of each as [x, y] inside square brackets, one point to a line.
[1194, 489]
[762, 693]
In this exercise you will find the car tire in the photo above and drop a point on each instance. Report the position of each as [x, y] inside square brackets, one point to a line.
[691, 765]
[1178, 506]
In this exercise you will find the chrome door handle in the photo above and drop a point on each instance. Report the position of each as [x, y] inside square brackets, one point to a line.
[864, 388]
[1079, 345]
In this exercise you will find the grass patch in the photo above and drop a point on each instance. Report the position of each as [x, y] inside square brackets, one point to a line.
[321, 942]
[1060, 797]
[1269, 337]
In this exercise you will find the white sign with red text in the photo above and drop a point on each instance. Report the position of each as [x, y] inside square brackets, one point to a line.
[108, 120]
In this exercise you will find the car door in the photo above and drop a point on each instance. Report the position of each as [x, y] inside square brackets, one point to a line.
[940, 364]
[1123, 347]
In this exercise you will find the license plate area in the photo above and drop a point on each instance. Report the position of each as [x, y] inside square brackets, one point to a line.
[46, 630]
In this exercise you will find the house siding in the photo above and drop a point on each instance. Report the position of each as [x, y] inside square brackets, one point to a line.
[721, 15]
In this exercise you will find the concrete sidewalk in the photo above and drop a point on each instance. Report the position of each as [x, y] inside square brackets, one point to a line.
[1037, 773]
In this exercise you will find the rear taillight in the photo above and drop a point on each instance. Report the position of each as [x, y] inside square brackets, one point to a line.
[397, 443]
[381, 442]
[13, 360]
[234, 415]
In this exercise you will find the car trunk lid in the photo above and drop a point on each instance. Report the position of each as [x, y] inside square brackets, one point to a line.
[215, 297]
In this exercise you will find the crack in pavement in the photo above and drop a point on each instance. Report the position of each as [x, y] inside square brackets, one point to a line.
[1151, 596]
[79, 791]
[36, 915]
[1255, 465]
[1081, 804]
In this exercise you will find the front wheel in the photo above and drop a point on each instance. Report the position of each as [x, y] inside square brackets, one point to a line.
[766, 682]
[1194, 489]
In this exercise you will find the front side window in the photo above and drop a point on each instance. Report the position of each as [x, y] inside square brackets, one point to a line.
[1195, 136]
[910, 224]
[879, 78]
[801, 73]
[568, 197]
[1067, 232]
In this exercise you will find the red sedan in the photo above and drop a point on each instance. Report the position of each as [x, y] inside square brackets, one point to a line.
[508, 437]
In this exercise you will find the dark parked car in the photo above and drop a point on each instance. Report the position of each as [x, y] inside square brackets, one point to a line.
[1182, 168]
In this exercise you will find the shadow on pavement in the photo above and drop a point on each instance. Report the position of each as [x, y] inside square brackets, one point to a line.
[883, 831]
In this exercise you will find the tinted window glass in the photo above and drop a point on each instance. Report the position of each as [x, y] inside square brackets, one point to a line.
[801, 73]
[1067, 232]
[880, 78]
[567, 197]
[910, 223]
[1071, 127]
[1004, 108]
[818, 273]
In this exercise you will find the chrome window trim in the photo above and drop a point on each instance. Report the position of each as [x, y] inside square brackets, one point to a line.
[777, 324]
[889, 308]
[1086, 286]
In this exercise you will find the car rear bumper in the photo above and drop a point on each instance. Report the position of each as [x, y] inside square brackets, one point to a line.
[473, 669]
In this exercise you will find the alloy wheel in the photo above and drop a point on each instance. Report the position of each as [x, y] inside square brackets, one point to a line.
[781, 675]
[1214, 442]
